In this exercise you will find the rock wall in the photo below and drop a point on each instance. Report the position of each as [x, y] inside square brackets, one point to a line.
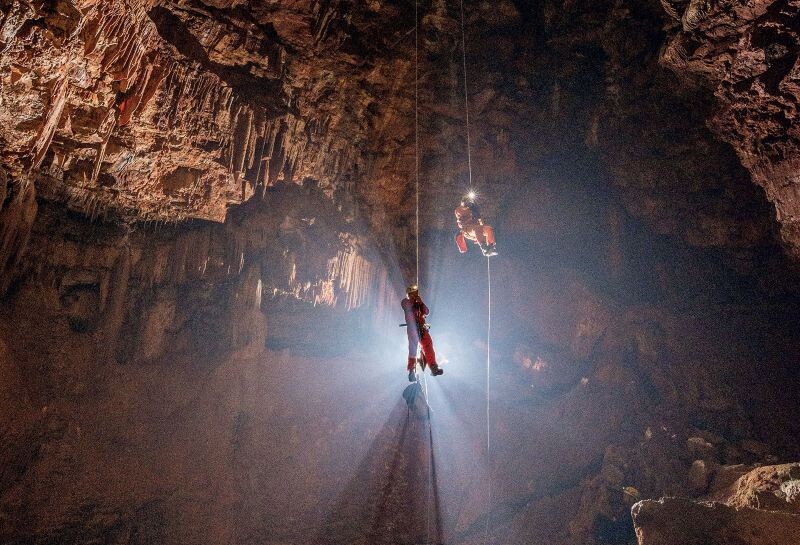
[746, 55]
[142, 292]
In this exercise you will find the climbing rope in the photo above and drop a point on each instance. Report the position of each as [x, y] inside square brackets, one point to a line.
[416, 239]
[488, 281]
[488, 385]
[488, 353]
[466, 91]
[416, 161]
[416, 124]
[416, 221]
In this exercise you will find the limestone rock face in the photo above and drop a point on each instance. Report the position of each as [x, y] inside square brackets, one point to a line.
[675, 521]
[773, 488]
[141, 293]
[747, 56]
[760, 507]
[172, 110]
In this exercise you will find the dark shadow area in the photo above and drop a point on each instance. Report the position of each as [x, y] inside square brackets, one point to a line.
[393, 497]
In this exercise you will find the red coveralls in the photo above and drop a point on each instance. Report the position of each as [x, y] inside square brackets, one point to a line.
[415, 312]
[471, 228]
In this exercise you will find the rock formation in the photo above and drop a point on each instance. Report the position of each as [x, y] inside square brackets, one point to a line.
[759, 508]
[747, 56]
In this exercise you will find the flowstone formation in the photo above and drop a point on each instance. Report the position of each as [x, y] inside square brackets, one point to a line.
[207, 216]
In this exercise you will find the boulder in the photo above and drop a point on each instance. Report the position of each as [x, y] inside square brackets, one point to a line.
[760, 507]
[678, 521]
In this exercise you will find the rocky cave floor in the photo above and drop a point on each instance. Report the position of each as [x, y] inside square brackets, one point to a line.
[207, 222]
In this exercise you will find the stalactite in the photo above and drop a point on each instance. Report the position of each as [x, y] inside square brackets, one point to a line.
[273, 136]
[130, 105]
[163, 103]
[16, 220]
[189, 256]
[327, 13]
[48, 129]
[241, 140]
[354, 276]
[326, 294]
[106, 127]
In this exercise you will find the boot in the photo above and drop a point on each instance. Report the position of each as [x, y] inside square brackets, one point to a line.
[412, 376]
[489, 250]
[436, 370]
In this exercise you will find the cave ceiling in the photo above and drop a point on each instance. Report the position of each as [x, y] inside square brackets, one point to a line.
[175, 110]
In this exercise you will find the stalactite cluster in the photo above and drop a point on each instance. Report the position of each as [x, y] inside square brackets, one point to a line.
[137, 289]
[161, 112]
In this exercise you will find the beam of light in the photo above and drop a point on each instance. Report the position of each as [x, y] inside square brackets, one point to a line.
[366, 399]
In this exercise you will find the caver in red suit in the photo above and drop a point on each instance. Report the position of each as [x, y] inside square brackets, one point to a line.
[418, 334]
[471, 227]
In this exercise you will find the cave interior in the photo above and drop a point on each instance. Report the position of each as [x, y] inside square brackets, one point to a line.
[210, 211]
